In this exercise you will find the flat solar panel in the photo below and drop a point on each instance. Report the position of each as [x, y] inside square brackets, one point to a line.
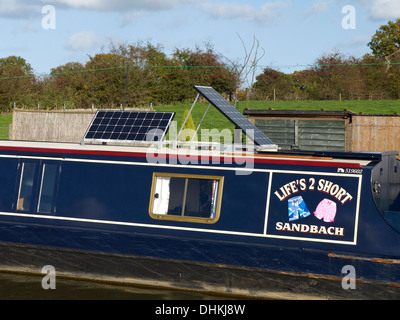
[234, 116]
[129, 126]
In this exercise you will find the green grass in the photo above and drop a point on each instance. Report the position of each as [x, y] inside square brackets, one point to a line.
[214, 119]
[364, 106]
[5, 120]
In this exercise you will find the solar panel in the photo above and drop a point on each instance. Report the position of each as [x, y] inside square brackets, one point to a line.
[234, 116]
[129, 126]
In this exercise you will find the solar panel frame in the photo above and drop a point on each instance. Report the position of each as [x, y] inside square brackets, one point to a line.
[128, 126]
[233, 115]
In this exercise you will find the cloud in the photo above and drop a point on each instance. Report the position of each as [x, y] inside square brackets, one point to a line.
[21, 9]
[18, 8]
[132, 17]
[263, 15]
[318, 7]
[354, 42]
[384, 9]
[118, 5]
[83, 40]
[377, 9]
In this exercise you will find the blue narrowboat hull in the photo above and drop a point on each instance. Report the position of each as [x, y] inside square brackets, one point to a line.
[288, 226]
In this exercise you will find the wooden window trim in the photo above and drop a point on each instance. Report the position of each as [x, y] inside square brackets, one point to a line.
[183, 218]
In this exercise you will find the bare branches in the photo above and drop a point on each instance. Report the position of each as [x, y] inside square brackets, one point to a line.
[245, 71]
[389, 59]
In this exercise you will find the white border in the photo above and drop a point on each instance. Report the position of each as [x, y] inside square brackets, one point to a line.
[354, 242]
[157, 226]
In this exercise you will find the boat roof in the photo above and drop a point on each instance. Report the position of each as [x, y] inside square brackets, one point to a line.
[362, 158]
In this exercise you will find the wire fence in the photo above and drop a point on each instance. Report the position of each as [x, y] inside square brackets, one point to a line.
[102, 87]
[277, 67]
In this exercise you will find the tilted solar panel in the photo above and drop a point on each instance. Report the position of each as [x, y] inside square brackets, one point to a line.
[129, 126]
[234, 116]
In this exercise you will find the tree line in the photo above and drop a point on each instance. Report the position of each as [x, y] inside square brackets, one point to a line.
[141, 74]
[135, 75]
[334, 76]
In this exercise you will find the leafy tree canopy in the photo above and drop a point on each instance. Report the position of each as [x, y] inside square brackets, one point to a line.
[14, 66]
[386, 40]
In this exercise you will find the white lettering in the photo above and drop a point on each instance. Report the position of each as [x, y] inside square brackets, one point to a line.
[49, 281]
[305, 228]
[287, 227]
[349, 20]
[223, 310]
[49, 20]
[280, 197]
[320, 184]
[183, 311]
[303, 185]
[327, 187]
[340, 194]
[322, 230]
[334, 190]
[339, 232]
[296, 227]
[348, 197]
[349, 280]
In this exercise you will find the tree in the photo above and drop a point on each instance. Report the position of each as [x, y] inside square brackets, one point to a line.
[245, 72]
[386, 40]
[305, 83]
[385, 46]
[68, 85]
[272, 82]
[153, 77]
[167, 81]
[105, 81]
[205, 67]
[336, 75]
[17, 82]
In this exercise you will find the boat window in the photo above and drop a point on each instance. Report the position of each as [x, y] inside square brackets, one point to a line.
[37, 185]
[48, 180]
[188, 198]
[25, 192]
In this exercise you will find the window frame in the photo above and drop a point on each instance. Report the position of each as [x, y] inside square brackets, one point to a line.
[54, 181]
[37, 185]
[21, 201]
[183, 218]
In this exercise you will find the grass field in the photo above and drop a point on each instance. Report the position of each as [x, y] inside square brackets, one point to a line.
[216, 120]
[5, 120]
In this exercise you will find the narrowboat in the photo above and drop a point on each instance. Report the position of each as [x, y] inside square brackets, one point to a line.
[247, 221]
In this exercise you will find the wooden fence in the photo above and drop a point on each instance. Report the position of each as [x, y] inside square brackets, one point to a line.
[329, 130]
[50, 126]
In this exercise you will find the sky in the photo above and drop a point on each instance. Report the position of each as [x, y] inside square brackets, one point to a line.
[293, 33]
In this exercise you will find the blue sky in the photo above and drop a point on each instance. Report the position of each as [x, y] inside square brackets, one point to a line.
[292, 32]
